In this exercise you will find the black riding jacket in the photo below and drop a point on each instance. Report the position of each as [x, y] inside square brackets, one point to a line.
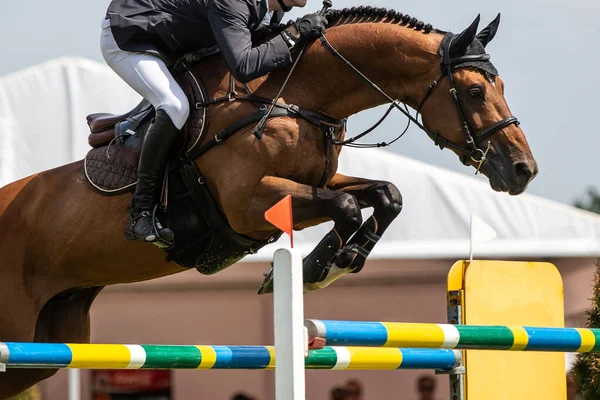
[172, 28]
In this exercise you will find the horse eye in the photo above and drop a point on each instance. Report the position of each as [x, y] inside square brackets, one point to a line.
[476, 92]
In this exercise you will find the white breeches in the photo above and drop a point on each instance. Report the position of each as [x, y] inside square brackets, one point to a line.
[148, 75]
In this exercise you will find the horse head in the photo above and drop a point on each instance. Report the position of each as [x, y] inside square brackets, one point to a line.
[466, 111]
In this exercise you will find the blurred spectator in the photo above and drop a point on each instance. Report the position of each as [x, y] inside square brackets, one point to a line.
[242, 396]
[338, 393]
[426, 387]
[354, 390]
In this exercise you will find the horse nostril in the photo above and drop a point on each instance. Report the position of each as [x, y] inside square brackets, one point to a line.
[523, 171]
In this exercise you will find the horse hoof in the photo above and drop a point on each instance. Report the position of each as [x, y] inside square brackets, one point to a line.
[267, 285]
[311, 287]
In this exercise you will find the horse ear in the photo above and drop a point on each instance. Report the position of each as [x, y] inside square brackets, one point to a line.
[488, 33]
[465, 38]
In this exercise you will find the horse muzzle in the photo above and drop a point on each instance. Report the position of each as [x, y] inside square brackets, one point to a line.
[513, 178]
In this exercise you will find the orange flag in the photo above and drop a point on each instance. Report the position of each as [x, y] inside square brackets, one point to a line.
[280, 215]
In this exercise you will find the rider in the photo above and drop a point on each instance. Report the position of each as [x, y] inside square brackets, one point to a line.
[141, 40]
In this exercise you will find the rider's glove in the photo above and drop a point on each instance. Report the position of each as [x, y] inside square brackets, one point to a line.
[307, 28]
[311, 26]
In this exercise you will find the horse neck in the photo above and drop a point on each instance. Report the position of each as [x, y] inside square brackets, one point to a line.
[400, 60]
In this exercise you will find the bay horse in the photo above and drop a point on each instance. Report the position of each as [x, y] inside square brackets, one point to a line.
[62, 242]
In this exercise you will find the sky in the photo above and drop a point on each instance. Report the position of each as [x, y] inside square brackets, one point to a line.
[547, 53]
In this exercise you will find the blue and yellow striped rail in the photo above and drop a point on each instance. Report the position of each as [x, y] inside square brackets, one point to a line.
[445, 336]
[121, 356]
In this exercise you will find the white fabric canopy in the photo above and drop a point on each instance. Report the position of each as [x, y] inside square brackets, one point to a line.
[43, 110]
[42, 125]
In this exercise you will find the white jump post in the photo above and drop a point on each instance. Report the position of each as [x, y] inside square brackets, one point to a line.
[74, 384]
[291, 338]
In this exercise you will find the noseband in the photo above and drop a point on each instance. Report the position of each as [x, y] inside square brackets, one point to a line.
[448, 66]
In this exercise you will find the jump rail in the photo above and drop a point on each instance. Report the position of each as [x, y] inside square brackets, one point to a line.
[133, 356]
[446, 336]
[357, 345]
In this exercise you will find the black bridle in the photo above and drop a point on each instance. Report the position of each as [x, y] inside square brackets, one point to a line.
[448, 65]
[270, 108]
[473, 139]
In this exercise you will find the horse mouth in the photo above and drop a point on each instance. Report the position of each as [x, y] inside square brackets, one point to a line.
[515, 192]
[498, 183]
[501, 183]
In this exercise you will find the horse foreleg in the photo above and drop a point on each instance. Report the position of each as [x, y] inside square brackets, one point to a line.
[20, 309]
[386, 200]
[66, 317]
[311, 206]
[17, 324]
[63, 319]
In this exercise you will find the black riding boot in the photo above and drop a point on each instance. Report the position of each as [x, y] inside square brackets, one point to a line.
[150, 174]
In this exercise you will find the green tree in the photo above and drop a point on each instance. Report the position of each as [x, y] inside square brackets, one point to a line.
[586, 370]
[590, 202]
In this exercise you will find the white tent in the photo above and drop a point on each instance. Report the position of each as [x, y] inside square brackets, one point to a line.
[43, 110]
[42, 125]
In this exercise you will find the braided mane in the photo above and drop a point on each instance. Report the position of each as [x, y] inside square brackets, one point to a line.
[354, 15]
[375, 14]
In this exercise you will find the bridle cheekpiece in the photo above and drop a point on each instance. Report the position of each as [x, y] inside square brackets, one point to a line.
[449, 65]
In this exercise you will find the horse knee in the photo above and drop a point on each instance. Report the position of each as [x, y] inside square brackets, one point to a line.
[349, 217]
[390, 199]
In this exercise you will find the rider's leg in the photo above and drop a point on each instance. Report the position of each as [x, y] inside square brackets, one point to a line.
[149, 76]
[150, 174]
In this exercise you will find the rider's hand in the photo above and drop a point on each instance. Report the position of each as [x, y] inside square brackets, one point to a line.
[310, 27]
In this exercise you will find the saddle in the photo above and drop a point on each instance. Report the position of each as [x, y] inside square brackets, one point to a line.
[205, 240]
[117, 140]
[104, 127]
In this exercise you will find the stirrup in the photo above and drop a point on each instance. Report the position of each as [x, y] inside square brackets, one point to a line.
[155, 228]
[160, 242]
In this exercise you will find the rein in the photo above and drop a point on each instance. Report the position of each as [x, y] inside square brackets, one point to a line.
[270, 108]
[448, 63]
